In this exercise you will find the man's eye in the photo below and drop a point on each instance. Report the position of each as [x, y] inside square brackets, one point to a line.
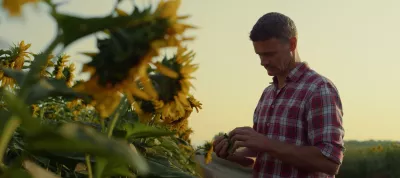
[267, 54]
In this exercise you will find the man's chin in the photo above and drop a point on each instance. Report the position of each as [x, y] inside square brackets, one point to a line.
[270, 73]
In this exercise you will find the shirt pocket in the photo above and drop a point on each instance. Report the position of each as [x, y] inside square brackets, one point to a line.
[288, 126]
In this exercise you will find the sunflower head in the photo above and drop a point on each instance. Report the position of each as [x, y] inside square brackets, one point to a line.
[124, 56]
[14, 58]
[69, 74]
[168, 9]
[125, 50]
[171, 79]
[49, 63]
[60, 66]
[35, 110]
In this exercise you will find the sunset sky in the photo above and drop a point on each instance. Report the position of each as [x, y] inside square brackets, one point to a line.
[353, 43]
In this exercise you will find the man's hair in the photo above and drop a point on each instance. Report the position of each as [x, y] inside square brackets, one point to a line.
[273, 25]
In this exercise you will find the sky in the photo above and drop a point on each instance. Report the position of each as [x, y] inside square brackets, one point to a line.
[353, 43]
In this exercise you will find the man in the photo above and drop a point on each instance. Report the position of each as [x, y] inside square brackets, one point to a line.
[297, 130]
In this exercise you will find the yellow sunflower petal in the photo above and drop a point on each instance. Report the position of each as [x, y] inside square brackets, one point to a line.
[134, 90]
[88, 69]
[158, 104]
[166, 71]
[183, 17]
[172, 41]
[145, 117]
[183, 99]
[168, 8]
[156, 45]
[90, 54]
[137, 108]
[166, 110]
[179, 28]
[121, 12]
[23, 47]
[179, 109]
[189, 69]
[185, 86]
[188, 39]
[148, 87]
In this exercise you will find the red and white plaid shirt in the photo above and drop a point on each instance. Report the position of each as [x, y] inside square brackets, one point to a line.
[307, 111]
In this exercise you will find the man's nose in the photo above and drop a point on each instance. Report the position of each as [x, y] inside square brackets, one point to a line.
[264, 62]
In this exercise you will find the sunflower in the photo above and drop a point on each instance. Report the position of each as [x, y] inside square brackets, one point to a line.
[14, 6]
[77, 106]
[35, 110]
[120, 67]
[69, 74]
[106, 99]
[72, 104]
[168, 9]
[181, 125]
[60, 66]
[49, 63]
[14, 59]
[173, 87]
[195, 103]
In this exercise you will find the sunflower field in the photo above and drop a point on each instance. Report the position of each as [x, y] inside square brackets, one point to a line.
[128, 119]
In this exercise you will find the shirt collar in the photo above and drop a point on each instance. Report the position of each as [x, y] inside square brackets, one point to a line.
[295, 74]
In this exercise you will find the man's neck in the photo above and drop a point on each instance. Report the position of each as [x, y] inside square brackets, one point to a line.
[281, 81]
[282, 78]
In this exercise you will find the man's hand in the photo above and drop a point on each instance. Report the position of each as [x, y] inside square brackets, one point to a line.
[308, 158]
[220, 145]
[249, 138]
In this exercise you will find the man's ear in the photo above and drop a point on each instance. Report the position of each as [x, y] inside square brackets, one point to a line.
[293, 43]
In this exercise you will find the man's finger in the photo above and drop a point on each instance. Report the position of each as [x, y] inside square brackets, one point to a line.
[237, 145]
[223, 152]
[239, 137]
[217, 140]
[219, 146]
[241, 130]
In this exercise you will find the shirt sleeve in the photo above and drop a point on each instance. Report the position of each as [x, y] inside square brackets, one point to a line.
[324, 117]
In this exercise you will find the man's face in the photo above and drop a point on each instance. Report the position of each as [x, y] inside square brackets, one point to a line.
[275, 55]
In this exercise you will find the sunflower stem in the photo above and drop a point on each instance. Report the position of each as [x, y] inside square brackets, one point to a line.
[112, 124]
[89, 165]
[103, 127]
